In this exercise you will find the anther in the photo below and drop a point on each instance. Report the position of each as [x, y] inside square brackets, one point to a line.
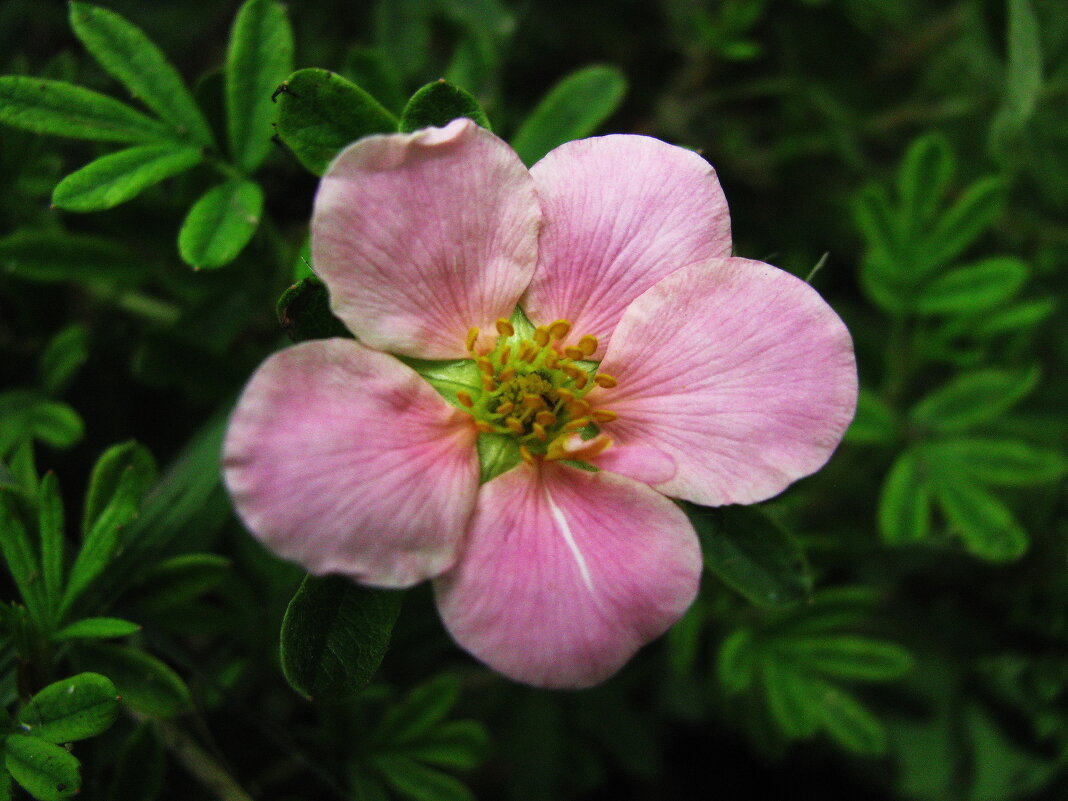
[539, 431]
[575, 425]
[578, 450]
[565, 394]
[513, 425]
[559, 329]
[488, 384]
[534, 401]
[605, 380]
[472, 338]
[574, 352]
[541, 336]
[603, 415]
[552, 358]
[505, 328]
[577, 407]
[507, 374]
[545, 418]
[588, 344]
[505, 408]
[465, 399]
[580, 379]
[485, 365]
[484, 427]
[528, 457]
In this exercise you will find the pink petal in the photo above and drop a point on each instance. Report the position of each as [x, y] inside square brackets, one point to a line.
[738, 370]
[640, 462]
[421, 236]
[345, 460]
[566, 573]
[620, 213]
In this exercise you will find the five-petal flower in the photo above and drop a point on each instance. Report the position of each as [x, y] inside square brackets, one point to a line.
[720, 380]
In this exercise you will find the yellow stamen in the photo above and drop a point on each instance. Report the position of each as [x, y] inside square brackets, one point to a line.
[505, 328]
[472, 338]
[545, 418]
[507, 374]
[539, 431]
[603, 416]
[580, 379]
[575, 425]
[465, 399]
[574, 352]
[588, 344]
[552, 358]
[605, 380]
[582, 453]
[528, 457]
[541, 336]
[534, 401]
[505, 408]
[559, 329]
[565, 394]
[506, 351]
[485, 365]
[484, 427]
[577, 407]
[513, 425]
[487, 384]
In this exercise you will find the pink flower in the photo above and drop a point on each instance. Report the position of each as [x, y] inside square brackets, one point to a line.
[721, 380]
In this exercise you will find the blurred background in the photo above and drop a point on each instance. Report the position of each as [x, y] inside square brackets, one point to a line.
[905, 633]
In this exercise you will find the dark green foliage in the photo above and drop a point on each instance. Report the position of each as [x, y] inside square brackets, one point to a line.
[438, 104]
[334, 636]
[304, 312]
[320, 112]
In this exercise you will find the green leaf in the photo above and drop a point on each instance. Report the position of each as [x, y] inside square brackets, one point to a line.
[140, 768]
[96, 628]
[118, 177]
[736, 661]
[875, 422]
[418, 782]
[334, 636]
[905, 502]
[791, 701]
[369, 69]
[20, 557]
[455, 744]
[124, 51]
[575, 107]
[319, 113]
[1002, 462]
[51, 528]
[48, 772]
[850, 724]
[72, 709]
[27, 414]
[146, 685]
[752, 554]
[1015, 317]
[923, 178]
[259, 58]
[104, 536]
[178, 580]
[220, 224]
[6, 792]
[974, 398]
[304, 312]
[63, 109]
[1023, 75]
[874, 216]
[403, 29]
[846, 656]
[108, 472]
[974, 288]
[67, 351]
[439, 103]
[49, 256]
[423, 708]
[965, 221]
[984, 523]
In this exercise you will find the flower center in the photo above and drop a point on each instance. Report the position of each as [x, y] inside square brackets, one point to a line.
[534, 389]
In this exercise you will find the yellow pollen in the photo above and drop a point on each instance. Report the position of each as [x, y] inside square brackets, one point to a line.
[603, 416]
[565, 394]
[581, 379]
[528, 457]
[513, 425]
[539, 431]
[504, 328]
[604, 380]
[472, 338]
[575, 425]
[465, 399]
[541, 336]
[573, 352]
[588, 344]
[577, 407]
[545, 418]
[559, 329]
[505, 408]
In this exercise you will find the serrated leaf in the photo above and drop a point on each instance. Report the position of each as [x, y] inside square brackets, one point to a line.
[790, 699]
[875, 421]
[736, 661]
[905, 502]
[923, 178]
[849, 722]
[118, 177]
[974, 398]
[304, 312]
[575, 107]
[974, 288]
[51, 528]
[108, 472]
[140, 767]
[964, 221]
[334, 636]
[50, 256]
[72, 709]
[96, 628]
[752, 554]
[48, 772]
[146, 684]
[124, 51]
[1002, 462]
[319, 113]
[984, 523]
[259, 58]
[439, 103]
[846, 656]
[63, 109]
[67, 351]
[220, 224]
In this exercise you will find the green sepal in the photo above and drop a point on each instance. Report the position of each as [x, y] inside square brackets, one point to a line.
[448, 376]
[304, 312]
[334, 636]
[319, 113]
[497, 454]
[439, 103]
